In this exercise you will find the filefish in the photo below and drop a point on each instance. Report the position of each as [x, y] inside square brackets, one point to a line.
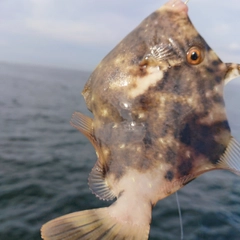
[159, 122]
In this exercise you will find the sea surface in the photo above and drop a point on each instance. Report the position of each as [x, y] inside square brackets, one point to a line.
[44, 163]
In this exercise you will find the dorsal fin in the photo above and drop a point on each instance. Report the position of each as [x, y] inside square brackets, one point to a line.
[231, 158]
[97, 181]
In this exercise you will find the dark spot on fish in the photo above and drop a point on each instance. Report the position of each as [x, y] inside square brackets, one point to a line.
[210, 70]
[218, 99]
[217, 151]
[185, 167]
[202, 142]
[169, 175]
[185, 135]
[201, 139]
[218, 79]
[145, 101]
[215, 63]
[225, 125]
[202, 146]
[147, 139]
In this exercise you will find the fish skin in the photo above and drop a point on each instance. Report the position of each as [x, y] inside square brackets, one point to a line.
[159, 122]
[182, 100]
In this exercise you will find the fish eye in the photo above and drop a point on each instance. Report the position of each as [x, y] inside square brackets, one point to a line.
[195, 55]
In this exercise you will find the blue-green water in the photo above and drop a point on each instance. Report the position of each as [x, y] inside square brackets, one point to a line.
[44, 163]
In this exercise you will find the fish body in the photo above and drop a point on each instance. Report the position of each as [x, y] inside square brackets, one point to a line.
[159, 122]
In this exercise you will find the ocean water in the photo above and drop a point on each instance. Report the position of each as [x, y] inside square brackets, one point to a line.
[44, 163]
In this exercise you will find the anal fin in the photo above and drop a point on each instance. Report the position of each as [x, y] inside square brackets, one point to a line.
[231, 158]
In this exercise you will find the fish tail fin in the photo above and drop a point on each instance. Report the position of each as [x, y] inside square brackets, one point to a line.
[93, 224]
[231, 158]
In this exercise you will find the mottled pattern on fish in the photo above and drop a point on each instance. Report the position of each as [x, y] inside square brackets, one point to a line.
[159, 111]
[159, 122]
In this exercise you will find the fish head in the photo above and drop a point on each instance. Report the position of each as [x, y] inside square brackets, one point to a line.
[166, 52]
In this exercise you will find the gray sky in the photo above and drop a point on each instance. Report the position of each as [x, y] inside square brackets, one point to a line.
[79, 33]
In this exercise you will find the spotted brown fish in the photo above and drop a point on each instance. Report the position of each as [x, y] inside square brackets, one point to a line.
[159, 122]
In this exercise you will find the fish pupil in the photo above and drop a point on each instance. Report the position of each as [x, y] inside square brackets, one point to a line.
[194, 56]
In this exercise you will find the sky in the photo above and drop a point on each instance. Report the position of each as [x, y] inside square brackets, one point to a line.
[79, 33]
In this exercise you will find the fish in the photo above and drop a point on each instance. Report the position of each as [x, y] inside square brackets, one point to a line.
[159, 122]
